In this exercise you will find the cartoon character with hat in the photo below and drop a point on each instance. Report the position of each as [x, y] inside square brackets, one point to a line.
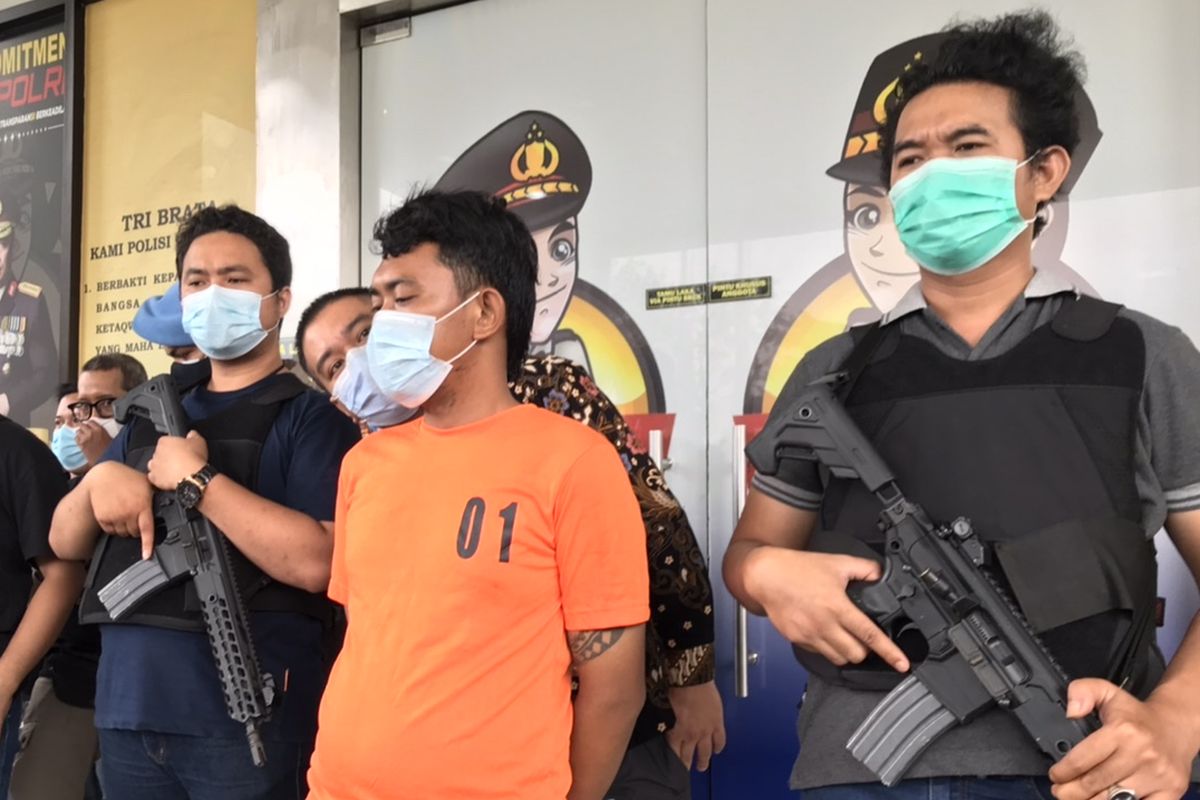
[539, 166]
[874, 271]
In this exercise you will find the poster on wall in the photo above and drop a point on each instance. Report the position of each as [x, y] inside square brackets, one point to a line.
[540, 167]
[161, 141]
[35, 283]
[603, 162]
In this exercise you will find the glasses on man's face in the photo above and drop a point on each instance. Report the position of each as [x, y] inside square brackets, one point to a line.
[82, 410]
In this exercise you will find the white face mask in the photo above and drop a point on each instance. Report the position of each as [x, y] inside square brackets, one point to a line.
[398, 356]
[109, 424]
[360, 395]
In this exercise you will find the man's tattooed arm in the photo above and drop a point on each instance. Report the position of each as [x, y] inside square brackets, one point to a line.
[611, 667]
[586, 645]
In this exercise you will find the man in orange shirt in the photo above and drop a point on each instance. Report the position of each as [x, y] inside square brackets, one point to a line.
[483, 552]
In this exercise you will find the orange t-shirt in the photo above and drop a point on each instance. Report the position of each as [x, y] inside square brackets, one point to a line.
[462, 557]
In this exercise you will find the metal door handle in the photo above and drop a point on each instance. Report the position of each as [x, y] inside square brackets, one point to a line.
[741, 656]
[743, 659]
[655, 449]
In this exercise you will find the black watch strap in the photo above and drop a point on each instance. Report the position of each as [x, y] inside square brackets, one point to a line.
[205, 475]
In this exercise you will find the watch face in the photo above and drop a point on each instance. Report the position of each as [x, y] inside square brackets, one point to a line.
[189, 494]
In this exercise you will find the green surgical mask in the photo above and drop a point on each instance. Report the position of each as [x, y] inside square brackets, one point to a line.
[956, 214]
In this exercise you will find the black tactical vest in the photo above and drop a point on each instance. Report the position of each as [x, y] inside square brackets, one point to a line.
[235, 439]
[1035, 447]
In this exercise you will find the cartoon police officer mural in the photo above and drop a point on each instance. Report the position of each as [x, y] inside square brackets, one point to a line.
[28, 358]
[873, 272]
[539, 166]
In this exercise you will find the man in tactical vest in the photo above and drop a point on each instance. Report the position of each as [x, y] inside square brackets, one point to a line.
[261, 463]
[1062, 426]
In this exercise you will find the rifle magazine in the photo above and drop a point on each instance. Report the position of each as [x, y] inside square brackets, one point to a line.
[126, 591]
[899, 729]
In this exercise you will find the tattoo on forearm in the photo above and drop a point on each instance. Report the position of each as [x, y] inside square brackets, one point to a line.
[586, 645]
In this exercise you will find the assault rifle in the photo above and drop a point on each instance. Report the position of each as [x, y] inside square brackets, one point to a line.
[193, 548]
[981, 649]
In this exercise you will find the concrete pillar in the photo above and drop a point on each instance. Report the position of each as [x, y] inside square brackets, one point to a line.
[307, 93]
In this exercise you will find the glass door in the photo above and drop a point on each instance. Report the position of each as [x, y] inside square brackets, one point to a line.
[717, 211]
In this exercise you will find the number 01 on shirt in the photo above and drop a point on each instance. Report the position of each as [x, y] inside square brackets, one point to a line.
[462, 557]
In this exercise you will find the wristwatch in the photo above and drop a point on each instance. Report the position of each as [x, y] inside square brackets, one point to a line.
[190, 490]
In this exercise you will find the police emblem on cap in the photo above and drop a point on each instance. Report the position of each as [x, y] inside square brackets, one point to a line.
[533, 161]
[860, 160]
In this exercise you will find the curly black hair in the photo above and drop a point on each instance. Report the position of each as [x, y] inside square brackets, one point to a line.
[1024, 52]
[482, 242]
[231, 219]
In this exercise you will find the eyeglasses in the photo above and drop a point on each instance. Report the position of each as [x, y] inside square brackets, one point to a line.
[82, 410]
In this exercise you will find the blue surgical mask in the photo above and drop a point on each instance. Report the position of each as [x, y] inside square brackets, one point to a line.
[67, 450]
[956, 214]
[224, 323]
[398, 356]
[363, 398]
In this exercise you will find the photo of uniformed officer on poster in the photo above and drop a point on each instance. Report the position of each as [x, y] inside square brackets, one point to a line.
[28, 355]
[873, 272]
[35, 280]
[540, 168]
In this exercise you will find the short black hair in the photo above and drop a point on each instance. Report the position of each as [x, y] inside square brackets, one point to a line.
[65, 389]
[231, 219]
[482, 242]
[316, 307]
[132, 372]
[1024, 52]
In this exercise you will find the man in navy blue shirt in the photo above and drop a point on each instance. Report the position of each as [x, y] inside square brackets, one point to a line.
[265, 454]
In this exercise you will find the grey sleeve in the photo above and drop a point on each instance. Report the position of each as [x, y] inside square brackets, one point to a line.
[798, 483]
[1169, 416]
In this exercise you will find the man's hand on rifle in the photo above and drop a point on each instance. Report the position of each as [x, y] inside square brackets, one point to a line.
[804, 595]
[176, 458]
[1141, 746]
[121, 498]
